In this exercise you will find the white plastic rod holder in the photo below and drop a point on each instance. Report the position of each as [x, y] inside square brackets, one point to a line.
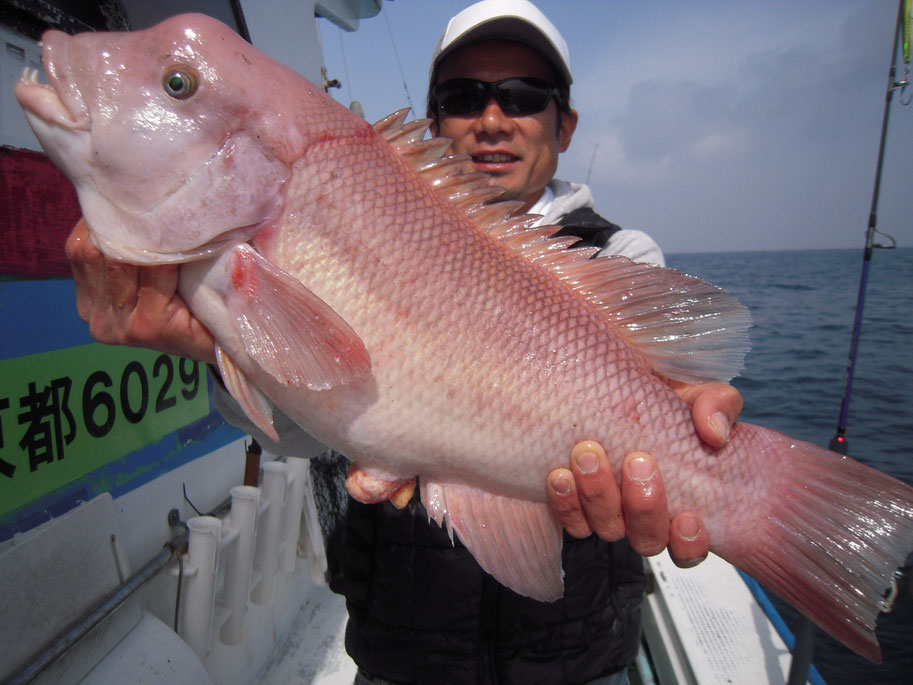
[291, 524]
[266, 556]
[245, 502]
[200, 591]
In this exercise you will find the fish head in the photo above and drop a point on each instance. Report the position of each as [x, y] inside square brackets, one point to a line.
[163, 133]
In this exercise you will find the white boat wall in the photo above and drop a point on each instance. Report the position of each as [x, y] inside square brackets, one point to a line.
[108, 455]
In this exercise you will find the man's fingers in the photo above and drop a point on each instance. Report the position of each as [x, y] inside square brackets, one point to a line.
[123, 284]
[598, 490]
[586, 499]
[125, 304]
[646, 512]
[714, 408]
[401, 497]
[85, 260]
[688, 542]
[564, 501]
[106, 290]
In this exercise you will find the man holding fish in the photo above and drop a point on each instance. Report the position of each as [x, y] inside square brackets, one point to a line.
[500, 84]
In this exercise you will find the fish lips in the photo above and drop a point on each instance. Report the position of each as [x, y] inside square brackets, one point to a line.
[57, 103]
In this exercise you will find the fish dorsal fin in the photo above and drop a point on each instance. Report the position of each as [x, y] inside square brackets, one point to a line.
[516, 541]
[687, 328]
[470, 192]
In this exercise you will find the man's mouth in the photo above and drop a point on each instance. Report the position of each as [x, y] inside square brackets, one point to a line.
[494, 158]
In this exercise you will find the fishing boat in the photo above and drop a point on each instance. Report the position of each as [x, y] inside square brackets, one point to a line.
[134, 547]
[143, 539]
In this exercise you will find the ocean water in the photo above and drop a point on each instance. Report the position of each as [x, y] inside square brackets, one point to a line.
[803, 304]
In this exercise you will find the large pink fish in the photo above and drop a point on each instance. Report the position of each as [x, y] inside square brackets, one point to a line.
[352, 276]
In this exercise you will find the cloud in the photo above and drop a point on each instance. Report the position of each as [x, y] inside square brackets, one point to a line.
[774, 144]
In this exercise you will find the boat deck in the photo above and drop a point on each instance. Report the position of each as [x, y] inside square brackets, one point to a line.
[314, 652]
[704, 625]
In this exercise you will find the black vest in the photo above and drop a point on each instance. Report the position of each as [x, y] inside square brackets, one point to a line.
[592, 229]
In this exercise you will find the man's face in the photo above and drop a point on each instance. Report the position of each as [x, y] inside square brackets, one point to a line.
[520, 152]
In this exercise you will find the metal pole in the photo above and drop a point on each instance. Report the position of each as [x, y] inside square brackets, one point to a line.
[838, 442]
[804, 630]
[803, 651]
[72, 635]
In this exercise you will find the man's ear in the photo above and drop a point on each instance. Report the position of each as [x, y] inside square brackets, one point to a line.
[566, 127]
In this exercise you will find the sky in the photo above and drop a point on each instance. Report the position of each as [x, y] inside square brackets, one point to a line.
[713, 125]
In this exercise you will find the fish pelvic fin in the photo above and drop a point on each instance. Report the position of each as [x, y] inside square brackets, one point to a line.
[836, 533]
[687, 329]
[254, 404]
[287, 330]
[516, 541]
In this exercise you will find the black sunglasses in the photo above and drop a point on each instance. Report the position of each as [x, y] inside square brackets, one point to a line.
[518, 95]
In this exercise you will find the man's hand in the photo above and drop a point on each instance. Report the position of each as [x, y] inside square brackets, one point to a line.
[134, 305]
[586, 498]
[714, 408]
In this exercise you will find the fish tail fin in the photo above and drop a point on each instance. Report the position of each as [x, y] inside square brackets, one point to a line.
[836, 536]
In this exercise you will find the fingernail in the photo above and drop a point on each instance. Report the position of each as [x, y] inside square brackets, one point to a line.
[720, 425]
[587, 463]
[689, 527]
[690, 563]
[561, 485]
[641, 469]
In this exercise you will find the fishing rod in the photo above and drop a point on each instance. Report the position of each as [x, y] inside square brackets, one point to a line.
[839, 442]
[804, 645]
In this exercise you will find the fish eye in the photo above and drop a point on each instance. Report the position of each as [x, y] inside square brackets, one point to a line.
[180, 82]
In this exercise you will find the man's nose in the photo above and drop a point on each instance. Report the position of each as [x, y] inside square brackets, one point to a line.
[493, 119]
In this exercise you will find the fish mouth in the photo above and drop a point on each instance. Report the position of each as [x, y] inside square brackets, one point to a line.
[57, 103]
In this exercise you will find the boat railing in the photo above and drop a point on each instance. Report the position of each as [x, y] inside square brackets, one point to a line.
[223, 562]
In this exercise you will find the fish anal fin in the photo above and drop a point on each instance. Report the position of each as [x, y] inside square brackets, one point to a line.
[249, 398]
[516, 541]
[287, 330]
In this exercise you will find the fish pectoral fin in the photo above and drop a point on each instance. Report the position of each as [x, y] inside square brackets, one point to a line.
[516, 541]
[291, 333]
[251, 400]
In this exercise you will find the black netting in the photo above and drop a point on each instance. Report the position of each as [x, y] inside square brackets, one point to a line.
[328, 477]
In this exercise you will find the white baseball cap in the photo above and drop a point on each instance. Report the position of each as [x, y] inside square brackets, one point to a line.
[518, 20]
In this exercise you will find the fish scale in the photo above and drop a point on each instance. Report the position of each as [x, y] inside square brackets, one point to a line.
[417, 254]
[423, 254]
[355, 280]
